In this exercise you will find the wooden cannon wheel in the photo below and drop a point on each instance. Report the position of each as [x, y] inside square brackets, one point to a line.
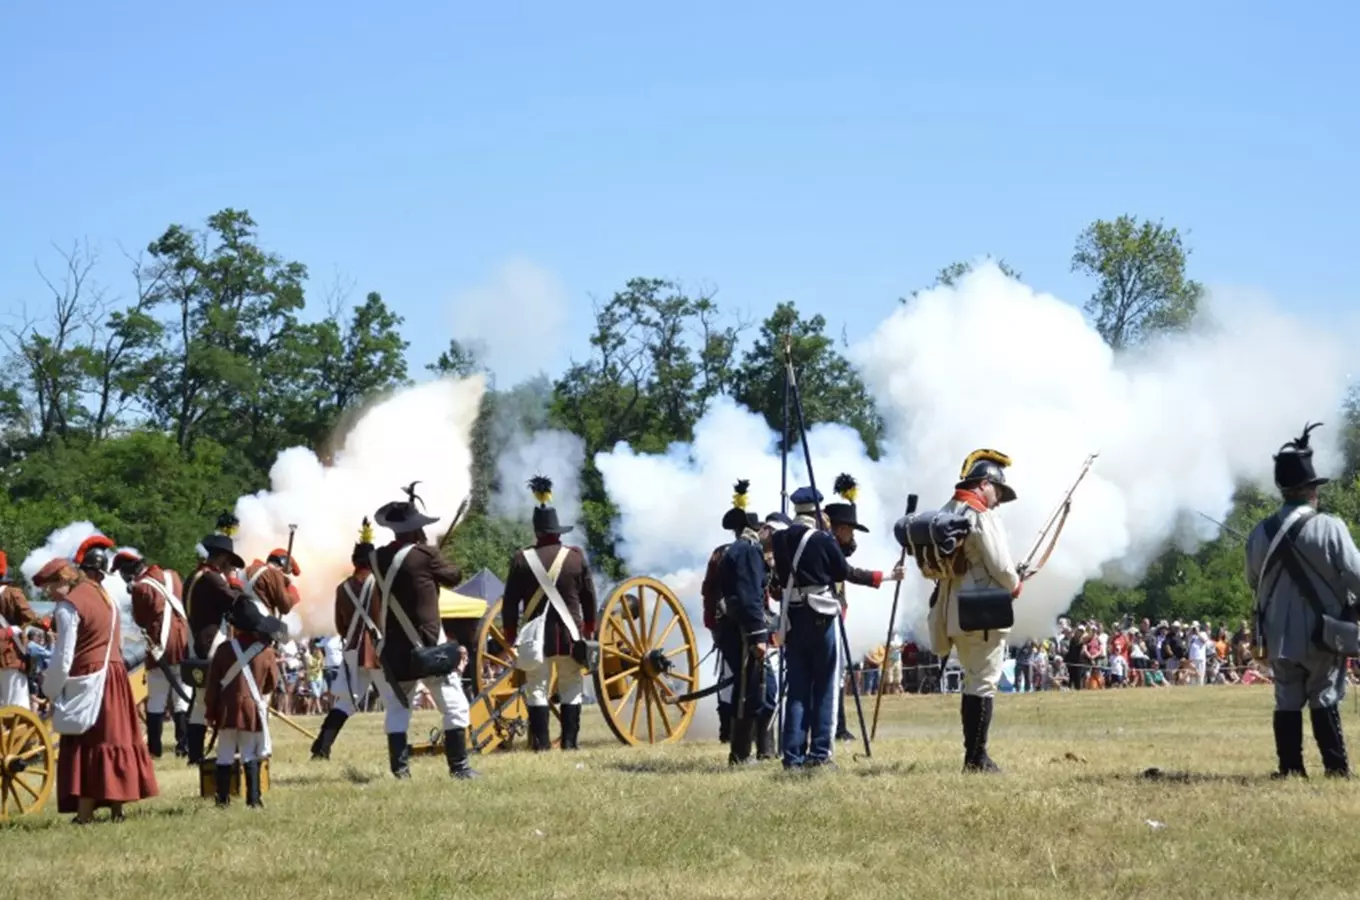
[489, 664]
[648, 657]
[28, 763]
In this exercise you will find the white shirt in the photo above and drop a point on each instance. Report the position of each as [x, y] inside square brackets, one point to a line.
[334, 649]
[67, 622]
[1197, 646]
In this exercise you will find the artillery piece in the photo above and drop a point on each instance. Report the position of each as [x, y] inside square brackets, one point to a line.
[28, 751]
[648, 654]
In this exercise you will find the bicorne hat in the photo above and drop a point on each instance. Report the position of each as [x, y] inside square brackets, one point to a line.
[545, 517]
[1294, 463]
[738, 518]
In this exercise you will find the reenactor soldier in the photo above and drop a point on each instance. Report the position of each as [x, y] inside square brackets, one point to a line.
[158, 610]
[550, 589]
[15, 616]
[1304, 569]
[209, 597]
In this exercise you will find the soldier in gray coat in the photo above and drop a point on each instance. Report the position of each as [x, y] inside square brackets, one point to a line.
[1299, 561]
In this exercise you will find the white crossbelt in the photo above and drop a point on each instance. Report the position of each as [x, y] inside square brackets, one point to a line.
[386, 586]
[242, 667]
[361, 608]
[173, 607]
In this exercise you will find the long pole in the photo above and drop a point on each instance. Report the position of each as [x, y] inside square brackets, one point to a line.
[784, 508]
[840, 622]
[892, 623]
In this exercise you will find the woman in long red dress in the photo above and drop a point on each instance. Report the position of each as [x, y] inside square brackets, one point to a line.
[109, 764]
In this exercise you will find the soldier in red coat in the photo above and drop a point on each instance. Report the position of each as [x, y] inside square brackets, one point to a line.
[15, 616]
[243, 673]
[158, 609]
[209, 596]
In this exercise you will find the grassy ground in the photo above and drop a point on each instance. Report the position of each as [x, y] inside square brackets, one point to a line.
[1071, 817]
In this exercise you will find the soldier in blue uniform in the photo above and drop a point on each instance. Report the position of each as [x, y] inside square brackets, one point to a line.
[808, 563]
[743, 637]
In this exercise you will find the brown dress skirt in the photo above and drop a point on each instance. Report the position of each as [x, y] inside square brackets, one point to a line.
[110, 762]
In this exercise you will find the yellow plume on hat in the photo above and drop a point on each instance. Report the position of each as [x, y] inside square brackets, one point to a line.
[846, 486]
[541, 486]
[976, 456]
[366, 532]
[739, 497]
[228, 524]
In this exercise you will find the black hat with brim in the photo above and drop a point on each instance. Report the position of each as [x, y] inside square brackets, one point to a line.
[245, 615]
[401, 516]
[843, 514]
[545, 521]
[1294, 470]
[220, 543]
[739, 519]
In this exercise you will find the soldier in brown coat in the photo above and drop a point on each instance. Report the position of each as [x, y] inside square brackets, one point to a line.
[242, 676]
[532, 570]
[357, 614]
[410, 573]
[15, 616]
[158, 609]
[208, 600]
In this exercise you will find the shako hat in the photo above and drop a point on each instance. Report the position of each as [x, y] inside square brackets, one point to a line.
[844, 513]
[989, 465]
[404, 516]
[220, 543]
[359, 556]
[1294, 463]
[738, 518]
[545, 517]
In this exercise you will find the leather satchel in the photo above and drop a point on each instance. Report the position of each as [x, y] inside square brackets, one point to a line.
[986, 609]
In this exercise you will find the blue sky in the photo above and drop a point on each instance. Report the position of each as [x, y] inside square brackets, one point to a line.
[773, 151]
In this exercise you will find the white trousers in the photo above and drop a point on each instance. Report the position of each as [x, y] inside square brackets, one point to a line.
[14, 688]
[981, 660]
[250, 744]
[570, 684]
[198, 714]
[159, 693]
[363, 679]
[448, 697]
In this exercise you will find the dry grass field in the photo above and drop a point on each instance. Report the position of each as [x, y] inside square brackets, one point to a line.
[1073, 816]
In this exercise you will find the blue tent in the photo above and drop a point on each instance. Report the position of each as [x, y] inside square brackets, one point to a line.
[484, 586]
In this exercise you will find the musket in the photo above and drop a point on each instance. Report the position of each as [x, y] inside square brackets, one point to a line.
[447, 539]
[175, 684]
[1232, 531]
[892, 622]
[1056, 521]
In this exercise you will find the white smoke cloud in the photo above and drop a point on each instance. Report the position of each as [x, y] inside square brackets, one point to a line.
[63, 544]
[422, 433]
[515, 318]
[992, 363]
[558, 455]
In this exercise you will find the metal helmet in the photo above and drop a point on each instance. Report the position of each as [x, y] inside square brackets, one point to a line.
[988, 469]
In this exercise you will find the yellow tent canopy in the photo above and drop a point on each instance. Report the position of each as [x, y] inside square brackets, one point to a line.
[471, 598]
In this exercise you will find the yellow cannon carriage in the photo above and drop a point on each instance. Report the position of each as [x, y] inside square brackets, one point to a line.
[648, 654]
[28, 753]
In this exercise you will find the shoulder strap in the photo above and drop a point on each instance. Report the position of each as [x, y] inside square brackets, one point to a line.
[548, 585]
[386, 582]
[113, 624]
[531, 608]
[361, 608]
[797, 557]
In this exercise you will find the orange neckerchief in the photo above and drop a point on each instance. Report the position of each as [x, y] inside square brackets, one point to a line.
[972, 498]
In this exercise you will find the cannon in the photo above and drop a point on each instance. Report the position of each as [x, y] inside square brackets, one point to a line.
[28, 751]
[648, 655]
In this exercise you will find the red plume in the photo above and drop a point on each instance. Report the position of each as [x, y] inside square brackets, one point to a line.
[4, 564]
[97, 540]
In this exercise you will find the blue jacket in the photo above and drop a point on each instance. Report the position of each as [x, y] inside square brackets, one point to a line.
[743, 588]
[822, 563]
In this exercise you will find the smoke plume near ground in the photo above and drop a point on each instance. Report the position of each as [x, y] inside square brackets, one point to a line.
[993, 363]
[63, 543]
[422, 433]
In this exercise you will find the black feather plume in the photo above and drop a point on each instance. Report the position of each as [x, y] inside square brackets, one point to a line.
[1302, 442]
[846, 486]
[541, 487]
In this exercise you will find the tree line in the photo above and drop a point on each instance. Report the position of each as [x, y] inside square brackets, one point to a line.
[150, 408]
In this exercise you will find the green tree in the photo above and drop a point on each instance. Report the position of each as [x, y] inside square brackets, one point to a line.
[949, 276]
[1142, 289]
[830, 389]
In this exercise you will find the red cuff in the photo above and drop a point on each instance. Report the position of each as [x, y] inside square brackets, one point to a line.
[878, 579]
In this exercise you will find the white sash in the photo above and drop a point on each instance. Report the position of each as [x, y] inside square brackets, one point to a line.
[529, 642]
[74, 712]
[250, 590]
[789, 588]
[361, 609]
[242, 667]
[385, 584]
[173, 606]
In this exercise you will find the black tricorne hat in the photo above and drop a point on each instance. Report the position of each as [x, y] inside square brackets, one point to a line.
[1294, 463]
[220, 543]
[545, 517]
[843, 514]
[245, 615]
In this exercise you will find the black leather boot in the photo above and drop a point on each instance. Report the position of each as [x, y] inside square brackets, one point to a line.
[1330, 741]
[1288, 728]
[724, 722]
[743, 731]
[980, 758]
[455, 752]
[196, 736]
[222, 775]
[539, 737]
[765, 737]
[843, 732]
[155, 726]
[977, 721]
[330, 730]
[398, 755]
[252, 776]
[571, 725]
[181, 721]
